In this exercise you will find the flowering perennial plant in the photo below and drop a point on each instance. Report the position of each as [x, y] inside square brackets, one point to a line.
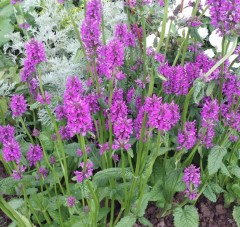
[112, 115]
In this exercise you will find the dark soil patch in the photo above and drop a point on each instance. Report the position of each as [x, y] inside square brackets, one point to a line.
[211, 214]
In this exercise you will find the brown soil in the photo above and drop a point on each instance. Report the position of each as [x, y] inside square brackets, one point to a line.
[211, 214]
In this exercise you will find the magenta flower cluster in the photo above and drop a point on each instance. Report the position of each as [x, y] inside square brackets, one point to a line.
[187, 138]
[209, 114]
[34, 55]
[18, 173]
[80, 176]
[76, 108]
[110, 58]
[46, 99]
[71, 200]
[123, 34]
[18, 105]
[162, 116]
[34, 154]
[192, 180]
[11, 148]
[90, 28]
[225, 16]
[13, 2]
[181, 78]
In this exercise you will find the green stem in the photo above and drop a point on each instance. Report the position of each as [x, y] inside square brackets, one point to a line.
[168, 38]
[124, 176]
[65, 172]
[10, 212]
[2, 116]
[185, 108]
[79, 39]
[95, 200]
[165, 16]
[52, 169]
[179, 52]
[223, 59]
[119, 215]
[234, 61]
[26, 130]
[144, 49]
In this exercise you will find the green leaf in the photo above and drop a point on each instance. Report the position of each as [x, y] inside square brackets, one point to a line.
[30, 191]
[157, 193]
[216, 188]
[160, 76]
[224, 170]
[235, 170]
[16, 203]
[186, 217]
[5, 29]
[209, 194]
[112, 172]
[236, 189]
[103, 212]
[128, 221]
[47, 142]
[210, 88]
[215, 159]
[34, 106]
[71, 149]
[198, 94]
[228, 198]
[145, 222]
[130, 152]
[144, 203]
[7, 186]
[236, 214]
[172, 183]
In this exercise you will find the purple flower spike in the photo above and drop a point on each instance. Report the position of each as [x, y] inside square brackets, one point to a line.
[45, 100]
[192, 180]
[11, 151]
[6, 133]
[103, 148]
[18, 173]
[187, 138]
[34, 154]
[71, 201]
[18, 105]
[84, 174]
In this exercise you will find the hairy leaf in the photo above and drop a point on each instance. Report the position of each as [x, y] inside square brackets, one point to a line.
[209, 194]
[186, 217]
[215, 159]
[236, 214]
[127, 221]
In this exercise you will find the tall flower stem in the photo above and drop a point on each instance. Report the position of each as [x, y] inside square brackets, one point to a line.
[167, 41]
[124, 176]
[185, 107]
[81, 141]
[165, 16]
[79, 40]
[65, 172]
[50, 167]
[2, 115]
[26, 130]
[194, 12]
[148, 173]
[226, 56]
